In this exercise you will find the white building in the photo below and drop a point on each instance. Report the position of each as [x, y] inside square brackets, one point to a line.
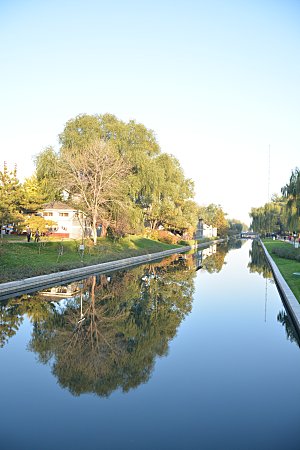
[69, 222]
[204, 230]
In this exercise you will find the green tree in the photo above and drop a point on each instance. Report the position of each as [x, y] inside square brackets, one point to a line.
[47, 174]
[167, 199]
[270, 218]
[155, 191]
[132, 140]
[214, 216]
[38, 223]
[291, 192]
[236, 226]
[11, 196]
[33, 194]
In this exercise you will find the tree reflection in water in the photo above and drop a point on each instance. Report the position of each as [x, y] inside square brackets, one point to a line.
[259, 264]
[290, 331]
[127, 321]
[12, 314]
[108, 331]
[213, 257]
[258, 261]
[213, 263]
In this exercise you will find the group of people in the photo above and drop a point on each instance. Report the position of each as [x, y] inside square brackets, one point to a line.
[29, 235]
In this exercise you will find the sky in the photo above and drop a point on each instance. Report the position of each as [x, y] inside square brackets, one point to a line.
[217, 81]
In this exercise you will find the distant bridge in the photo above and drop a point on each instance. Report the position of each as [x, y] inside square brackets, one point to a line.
[249, 235]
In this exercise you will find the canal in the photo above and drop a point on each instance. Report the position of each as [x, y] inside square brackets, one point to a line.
[192, 352]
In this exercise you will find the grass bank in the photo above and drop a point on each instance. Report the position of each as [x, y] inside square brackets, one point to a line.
[286, 266]
[20, 259]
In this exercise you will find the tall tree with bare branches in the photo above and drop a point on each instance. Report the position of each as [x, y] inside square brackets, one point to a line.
[95, 176]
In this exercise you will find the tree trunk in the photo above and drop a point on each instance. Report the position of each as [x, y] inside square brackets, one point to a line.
[94, 231]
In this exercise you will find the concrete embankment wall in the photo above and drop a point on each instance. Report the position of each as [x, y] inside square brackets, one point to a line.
[35, 283]
[44, 281]
[289, 299]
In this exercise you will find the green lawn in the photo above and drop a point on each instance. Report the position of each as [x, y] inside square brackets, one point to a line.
[20, 259]
[287, 267]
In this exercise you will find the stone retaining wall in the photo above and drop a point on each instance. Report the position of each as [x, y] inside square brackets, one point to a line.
[42, 281]
[15, 287]
[286, 293]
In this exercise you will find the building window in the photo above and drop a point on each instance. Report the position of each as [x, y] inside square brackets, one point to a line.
[45, 214]
[63, 214]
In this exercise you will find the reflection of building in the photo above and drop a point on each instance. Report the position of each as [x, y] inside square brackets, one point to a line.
[69, 222]
[204, 230]
[201, 255]
[61, 291]
[209, 250]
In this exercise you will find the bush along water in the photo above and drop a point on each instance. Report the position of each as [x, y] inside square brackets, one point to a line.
[287, 252]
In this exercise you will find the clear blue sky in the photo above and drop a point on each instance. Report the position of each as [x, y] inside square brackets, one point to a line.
[218, 81]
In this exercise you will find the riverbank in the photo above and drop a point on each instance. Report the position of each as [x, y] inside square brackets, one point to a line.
[20, 259]
[287, 267]
[36, 282]
[283, 275]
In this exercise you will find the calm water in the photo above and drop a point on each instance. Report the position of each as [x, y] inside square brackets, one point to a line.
[158, 357]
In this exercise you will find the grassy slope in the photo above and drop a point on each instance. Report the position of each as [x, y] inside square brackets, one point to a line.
[286, 266]
[19, 259]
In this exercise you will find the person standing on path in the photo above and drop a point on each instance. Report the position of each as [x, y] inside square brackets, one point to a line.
[28, 234]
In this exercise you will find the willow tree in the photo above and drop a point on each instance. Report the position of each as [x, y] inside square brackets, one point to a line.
[270, 217]
[170, 203]
[156, 191]
[132, 141]
[291, 192]
[47, 167]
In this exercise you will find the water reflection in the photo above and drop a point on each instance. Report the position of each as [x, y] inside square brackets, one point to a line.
[290, 331]
[12, 314]
[258, 263]
[105, 333]
[235, 244]
[213, 261]
[212, 258]
[108, 330]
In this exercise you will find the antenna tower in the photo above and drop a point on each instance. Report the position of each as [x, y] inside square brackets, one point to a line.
[269, 176]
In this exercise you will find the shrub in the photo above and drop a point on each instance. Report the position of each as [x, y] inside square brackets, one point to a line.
[115, 233]
[189, 242]
[167, 237]
[161, 235]
[287, 252]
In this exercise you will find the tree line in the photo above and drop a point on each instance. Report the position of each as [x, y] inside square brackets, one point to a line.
[116, 173]
[282, 214]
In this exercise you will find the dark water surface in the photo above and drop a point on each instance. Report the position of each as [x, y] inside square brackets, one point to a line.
[158, 357]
